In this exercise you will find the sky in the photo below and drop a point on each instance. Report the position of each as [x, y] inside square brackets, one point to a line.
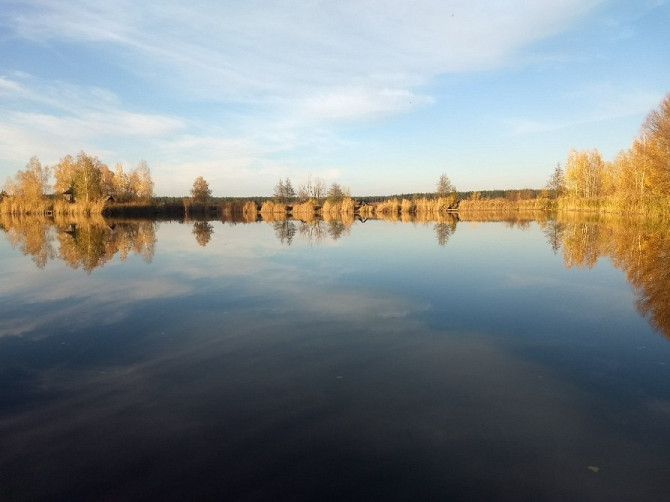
[379, 96]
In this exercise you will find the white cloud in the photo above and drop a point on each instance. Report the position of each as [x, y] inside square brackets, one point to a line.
[93, 124]
[274, 77]
[357, 102]
[233, 49]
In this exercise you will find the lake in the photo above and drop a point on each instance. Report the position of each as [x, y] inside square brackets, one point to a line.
[362, 360]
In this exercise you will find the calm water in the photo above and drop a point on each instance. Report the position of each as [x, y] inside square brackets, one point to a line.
[377, 360]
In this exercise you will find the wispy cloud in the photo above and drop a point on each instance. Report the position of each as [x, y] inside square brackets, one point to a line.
[248, 83]
[599, 103]
[233, 49]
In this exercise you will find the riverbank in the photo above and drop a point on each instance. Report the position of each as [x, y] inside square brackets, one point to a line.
[424, 208]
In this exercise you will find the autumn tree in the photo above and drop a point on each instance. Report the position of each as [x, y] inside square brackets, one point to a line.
[82, 175]
[29, 187]
[106, 181]
[64, 172]
[642, 170]
[200, 193]
[655, 154]
[32, 183]
[584, 173]
[87, 179]
[140, 183]
[120, 184]
[90, 179]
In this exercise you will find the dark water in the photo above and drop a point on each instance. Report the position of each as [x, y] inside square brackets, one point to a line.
[376, 361]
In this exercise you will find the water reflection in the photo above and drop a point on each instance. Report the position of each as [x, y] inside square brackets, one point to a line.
[474, 370]
[202, 230]
[554, 231]
[313, 231]
[85, 243]
[639, 248]
[444, 230]
[284, 230]
[31, 235]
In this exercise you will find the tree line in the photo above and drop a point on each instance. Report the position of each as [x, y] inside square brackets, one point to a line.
[640, 172]
[638, 176]
[82, 179]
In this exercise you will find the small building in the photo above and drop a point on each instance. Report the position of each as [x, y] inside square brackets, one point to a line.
[68, 195]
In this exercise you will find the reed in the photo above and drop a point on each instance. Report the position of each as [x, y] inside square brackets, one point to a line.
[388, 207]
[332, 208]
[500, 204]
[270, 207]
[21, 205]
[250, 211]
[434, 206]
[505, 215]
[367, 211]
[90, 207]
[305, 211]
[650, 206]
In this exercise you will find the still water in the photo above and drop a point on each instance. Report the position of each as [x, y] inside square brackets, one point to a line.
[376, 360]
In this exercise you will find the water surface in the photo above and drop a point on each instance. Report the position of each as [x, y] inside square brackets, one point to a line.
[372, 360]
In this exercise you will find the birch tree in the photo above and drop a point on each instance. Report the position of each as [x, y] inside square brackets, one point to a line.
[200, 192]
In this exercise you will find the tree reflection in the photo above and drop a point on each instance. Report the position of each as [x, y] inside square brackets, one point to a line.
[83, 246]
[86, 242]
[445, 228]
[638, 248]
[313, 231]
[554, 231]
[285, 231]
[33, 235]
[202, 230]
[337, 229]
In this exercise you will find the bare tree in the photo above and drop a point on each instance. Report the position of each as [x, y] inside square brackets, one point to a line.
[556, 183]
[444, 186]
[318, 188]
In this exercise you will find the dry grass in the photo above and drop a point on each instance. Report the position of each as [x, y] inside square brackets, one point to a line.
[78, 208]
[19, 205]
[346, 206]
[387, 208]
[270, 207]
[407, 206]
[367, 211]
[305, 211]
[651, 206]
[500, 204]
[435, 206]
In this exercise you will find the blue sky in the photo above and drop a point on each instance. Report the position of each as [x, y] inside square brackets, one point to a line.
[380, 96]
